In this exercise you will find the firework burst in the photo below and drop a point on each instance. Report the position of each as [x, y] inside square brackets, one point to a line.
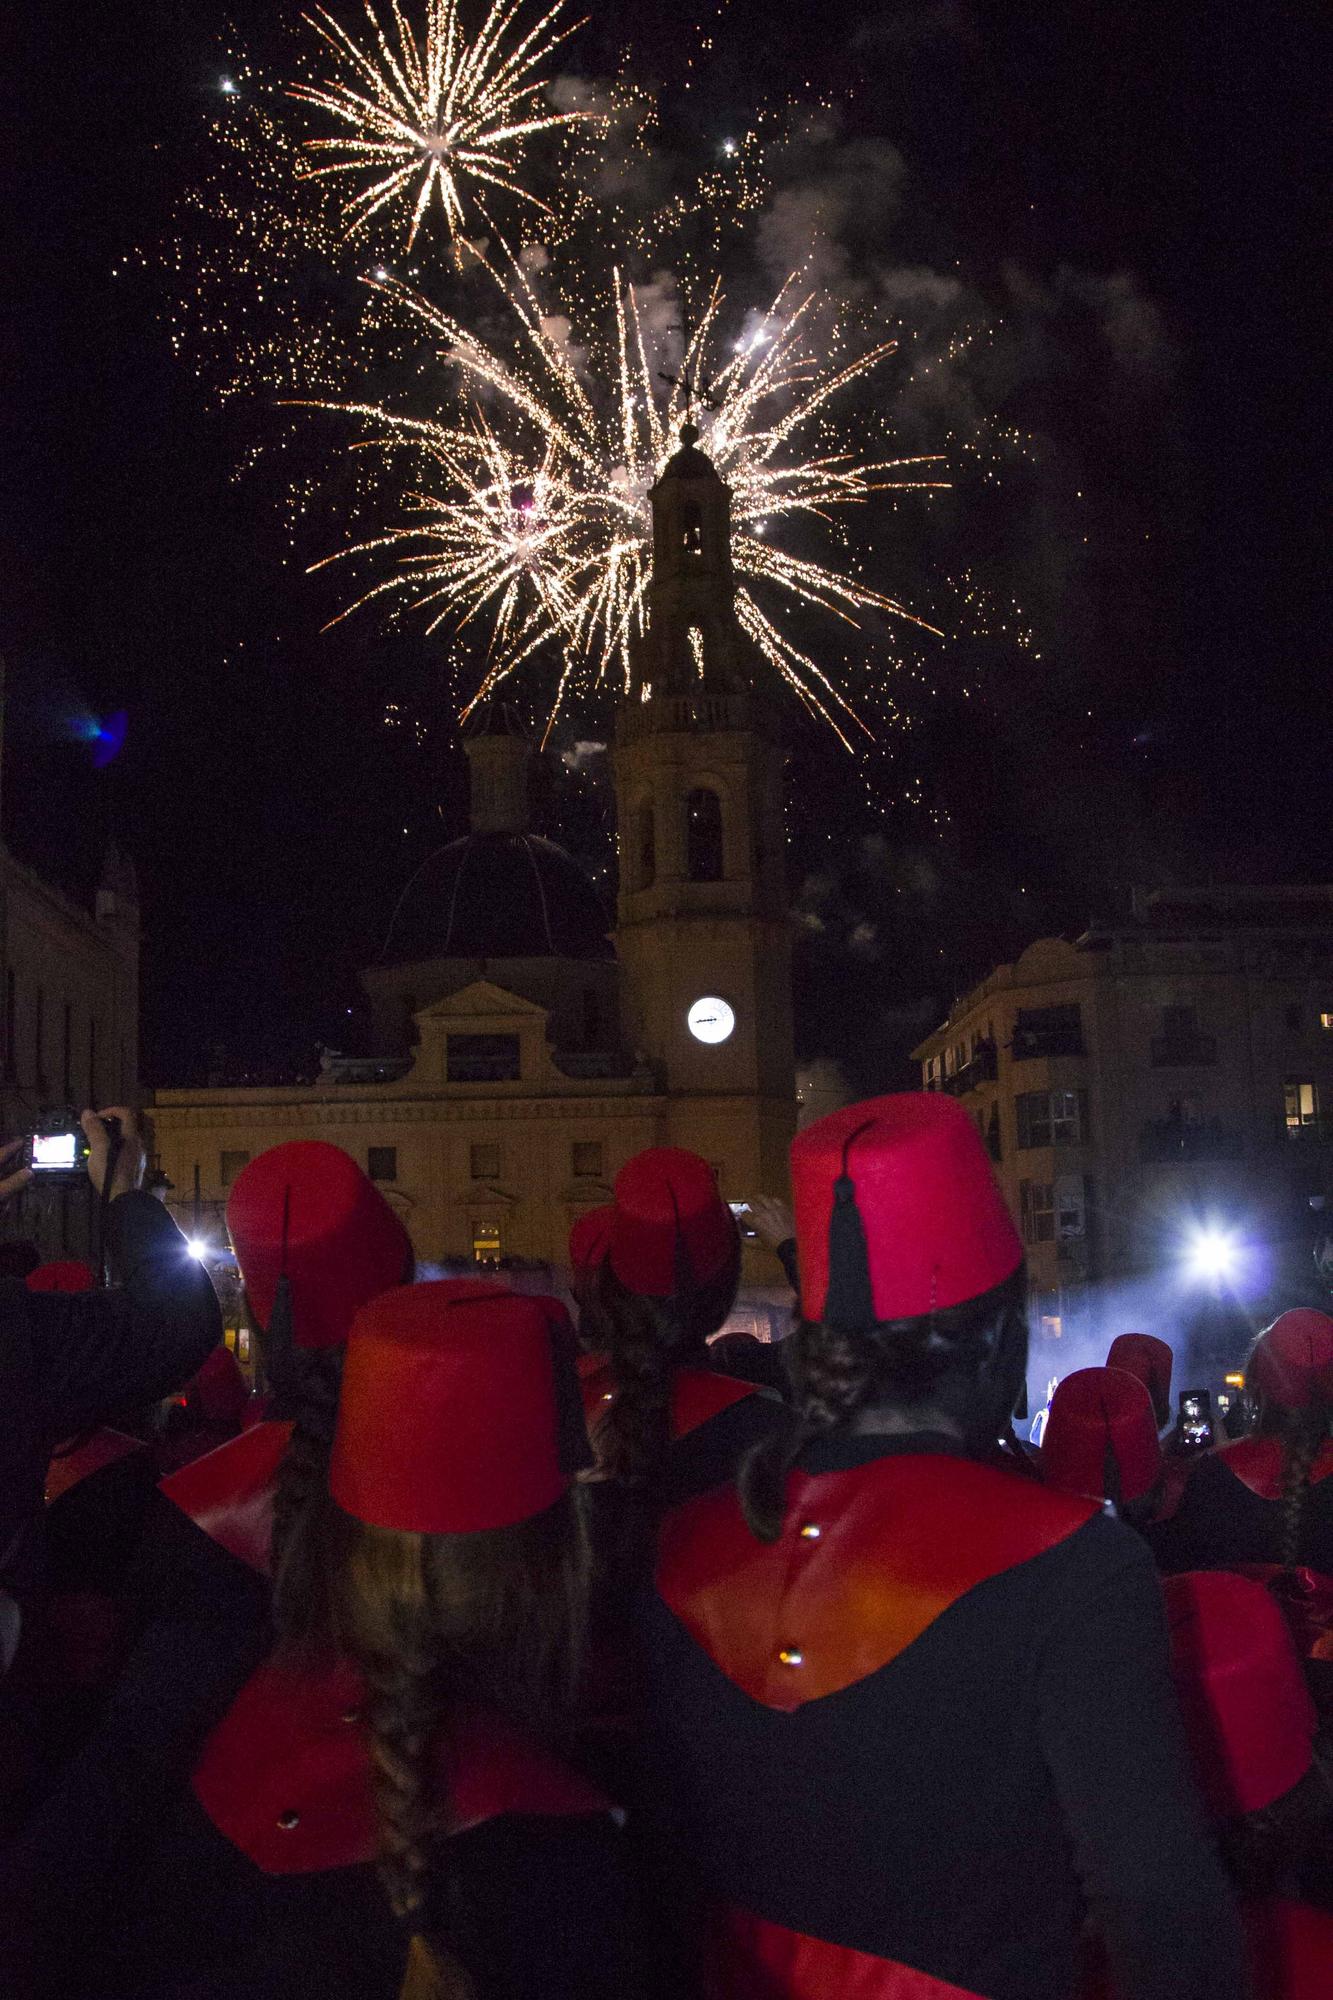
[539, 514]
[437, 116]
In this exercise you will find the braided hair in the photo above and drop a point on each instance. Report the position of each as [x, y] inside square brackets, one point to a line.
[494, 1617]
[302, 1507]
[1302, 1433]
[960, 1365]
[649, 1340]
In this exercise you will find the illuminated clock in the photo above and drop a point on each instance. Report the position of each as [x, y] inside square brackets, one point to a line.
[710, 1019]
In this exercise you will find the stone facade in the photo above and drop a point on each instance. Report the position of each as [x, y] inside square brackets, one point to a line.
[1155, 1076]
[521, 1060]
[70, 983]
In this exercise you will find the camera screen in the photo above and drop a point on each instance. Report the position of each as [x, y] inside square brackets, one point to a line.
[53, 1152]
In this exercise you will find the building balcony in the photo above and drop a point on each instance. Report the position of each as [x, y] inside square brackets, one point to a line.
[1183, 1051]
[1164, 1140]
[1310, 1132]
[1029, 1044]
[983, 1068]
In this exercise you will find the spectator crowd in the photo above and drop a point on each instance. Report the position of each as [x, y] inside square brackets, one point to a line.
[490, 1650]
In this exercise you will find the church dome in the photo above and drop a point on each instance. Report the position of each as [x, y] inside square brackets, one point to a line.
[498, 895]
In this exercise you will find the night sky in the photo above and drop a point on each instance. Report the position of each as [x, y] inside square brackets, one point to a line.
[1130, 190]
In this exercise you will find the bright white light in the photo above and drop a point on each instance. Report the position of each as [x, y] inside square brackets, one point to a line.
[197, 1248]
[1211, 1256]
[229, 87]
[710, 1019]
[728, 147]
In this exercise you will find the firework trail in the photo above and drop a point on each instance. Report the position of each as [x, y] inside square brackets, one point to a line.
[539, 513]
[430, 116]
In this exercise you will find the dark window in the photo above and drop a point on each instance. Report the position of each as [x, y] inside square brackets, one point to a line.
[703, 836]
[691, 529]
[382, 1163]
[39, 1037]
[647, 839]
[485, 1162]
[231, 1166]
[592, 1017]
[1051, 1118]
[1180, 1044]
[1048, 1031]
[67, 1055]
[586, 1157]
[482, 1059]
[1036, 1204]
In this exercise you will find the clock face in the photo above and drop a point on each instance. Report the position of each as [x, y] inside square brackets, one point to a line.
[710, 1019]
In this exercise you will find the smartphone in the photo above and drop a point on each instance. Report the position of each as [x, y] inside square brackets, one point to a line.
[740, 1209]
[1196, 1420]
[58, 1152]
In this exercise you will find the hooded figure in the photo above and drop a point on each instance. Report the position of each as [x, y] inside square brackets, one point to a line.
[853, 1658]
[1267, 1499]
[389, 1816]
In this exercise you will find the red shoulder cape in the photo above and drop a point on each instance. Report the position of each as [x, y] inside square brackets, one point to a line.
[104, 1447]
[1257, 1463]
[696, 1395]
[229, 1492]
[286, 1774]
[867, 1559]
[748, 1958]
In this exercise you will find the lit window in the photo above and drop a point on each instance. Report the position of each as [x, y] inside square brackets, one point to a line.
[703, 836]
[1326, 1020]
[587, 1157]
[485, 1242]
[1070, 1207]
[382, 1163]
[485, 1163]
[231, 1166]
[1300, 1105]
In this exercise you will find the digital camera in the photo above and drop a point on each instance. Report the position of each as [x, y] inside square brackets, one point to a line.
[58, 1149]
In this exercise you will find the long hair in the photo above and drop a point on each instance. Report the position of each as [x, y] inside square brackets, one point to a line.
[962, 1364]
[1301, 1433]
[648, 1340]
[1265, 1851]
[495, 1618]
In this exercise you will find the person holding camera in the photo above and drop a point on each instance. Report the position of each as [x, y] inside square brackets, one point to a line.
[68, 1360]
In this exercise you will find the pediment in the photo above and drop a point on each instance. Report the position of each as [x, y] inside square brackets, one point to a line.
[483, 998]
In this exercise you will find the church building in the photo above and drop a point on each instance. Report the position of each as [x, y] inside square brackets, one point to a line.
[524, 1054]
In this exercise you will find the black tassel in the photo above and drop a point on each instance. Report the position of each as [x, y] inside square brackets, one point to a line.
[849, 1303]
[1111, 1486]
[574, 1452]
[684, 1269]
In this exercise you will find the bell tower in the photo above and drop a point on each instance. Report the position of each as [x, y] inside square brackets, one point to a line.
[702, 928]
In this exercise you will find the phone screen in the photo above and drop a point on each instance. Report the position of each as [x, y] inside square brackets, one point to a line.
[1196, 1418]
[55, 1152]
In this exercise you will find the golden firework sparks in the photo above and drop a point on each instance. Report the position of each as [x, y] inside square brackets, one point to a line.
[567, 562]
[436, 115]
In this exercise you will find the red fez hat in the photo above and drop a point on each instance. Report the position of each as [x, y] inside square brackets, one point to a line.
[1150, 1359]
[590, 1239]
[67, 1277]
[897, 1211]
[671, 1231]
[218, 1391]
[1100, 1439]
[1292, 1363]
[306, 1212]
[455, 1413]
[1247, 1711]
